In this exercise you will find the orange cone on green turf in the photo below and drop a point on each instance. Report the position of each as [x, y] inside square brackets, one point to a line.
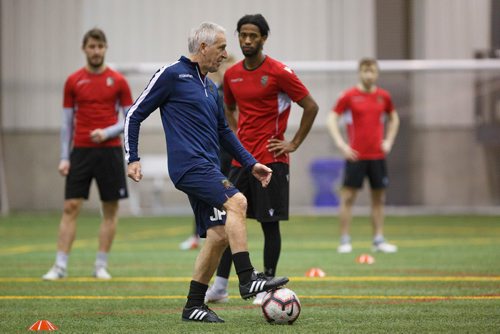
[315, 272]
[365, 259]
[43, 325]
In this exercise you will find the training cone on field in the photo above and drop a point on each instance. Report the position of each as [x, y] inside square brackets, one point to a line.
[43, 325]
[315, 272]
[365, 259]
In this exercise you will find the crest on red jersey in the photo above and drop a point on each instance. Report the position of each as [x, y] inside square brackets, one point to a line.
[110, 81]
[263, 80]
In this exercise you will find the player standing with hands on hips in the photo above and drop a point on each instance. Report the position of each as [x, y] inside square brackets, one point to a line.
[193, 120]
[91, 148]
[364, 106]
[258, 94]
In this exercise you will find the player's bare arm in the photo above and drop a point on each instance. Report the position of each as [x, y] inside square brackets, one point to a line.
[310, 108]
[333, 128]
[262, 173]
[134, 171]
[392, 131]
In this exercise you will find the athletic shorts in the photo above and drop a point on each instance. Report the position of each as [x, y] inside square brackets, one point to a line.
[264, 204]
[207, 189]
[105, 165]
[376, 171]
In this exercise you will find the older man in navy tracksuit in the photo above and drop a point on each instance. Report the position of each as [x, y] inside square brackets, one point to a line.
[194, 124]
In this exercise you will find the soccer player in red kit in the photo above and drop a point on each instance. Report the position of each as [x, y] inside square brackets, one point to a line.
[365, 108]
[261, 90]
[91, 148]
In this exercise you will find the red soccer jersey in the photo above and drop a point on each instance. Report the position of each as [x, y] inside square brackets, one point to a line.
[95, 99]
[365, 123]
[264, 97]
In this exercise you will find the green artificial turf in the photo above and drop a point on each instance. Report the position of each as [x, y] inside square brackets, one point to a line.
[445, 278]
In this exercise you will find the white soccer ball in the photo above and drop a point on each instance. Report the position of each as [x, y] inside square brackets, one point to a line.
[281, 306]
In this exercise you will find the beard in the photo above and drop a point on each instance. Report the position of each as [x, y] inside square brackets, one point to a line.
[95, 62]
[250, 52]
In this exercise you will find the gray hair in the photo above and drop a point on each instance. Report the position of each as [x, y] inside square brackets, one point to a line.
[205, 33]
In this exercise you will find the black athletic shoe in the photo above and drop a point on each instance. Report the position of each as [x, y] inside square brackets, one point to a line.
[259, 283]
[200, 314]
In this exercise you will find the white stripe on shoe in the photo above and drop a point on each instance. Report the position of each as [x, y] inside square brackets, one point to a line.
[198, 315]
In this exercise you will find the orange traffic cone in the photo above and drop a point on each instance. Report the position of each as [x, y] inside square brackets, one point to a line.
[365, 259]
[315, 272]
[43, 325]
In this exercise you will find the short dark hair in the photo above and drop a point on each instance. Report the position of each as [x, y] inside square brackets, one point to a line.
[367, 62]
[255, 19]
[96, 34]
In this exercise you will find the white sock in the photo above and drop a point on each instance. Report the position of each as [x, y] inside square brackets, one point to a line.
[101, 260]
[345, 239]
[220, 283]
[62, 259]
[378, 239]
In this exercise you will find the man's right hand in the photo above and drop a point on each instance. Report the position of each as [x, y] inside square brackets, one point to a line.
[134, 171]
[262, 173]
[64, 167]
[348, 152]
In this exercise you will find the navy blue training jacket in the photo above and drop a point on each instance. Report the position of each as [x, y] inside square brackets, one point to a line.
[192, 116]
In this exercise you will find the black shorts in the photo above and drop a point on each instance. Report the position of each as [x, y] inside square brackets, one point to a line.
[375, 170]
[105, 164]
[264, 204]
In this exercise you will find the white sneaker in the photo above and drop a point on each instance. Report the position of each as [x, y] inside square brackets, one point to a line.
[190, 243]
[344, 248]
[259, 298]
[385, 247]
[55, 273]
[101, 273]
[216, 296]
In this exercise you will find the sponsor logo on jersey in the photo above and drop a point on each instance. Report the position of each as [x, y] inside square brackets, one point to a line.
[185, 75]
[81, 82]
[264, 80]
[110, 81]
[237, 80]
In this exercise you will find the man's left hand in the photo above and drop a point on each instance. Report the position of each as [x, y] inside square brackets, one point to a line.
[386, 146]
[98, 136]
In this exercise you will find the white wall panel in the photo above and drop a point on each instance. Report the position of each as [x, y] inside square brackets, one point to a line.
[447, 29]
[450, 29]
[41, 41]
[40, 44]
